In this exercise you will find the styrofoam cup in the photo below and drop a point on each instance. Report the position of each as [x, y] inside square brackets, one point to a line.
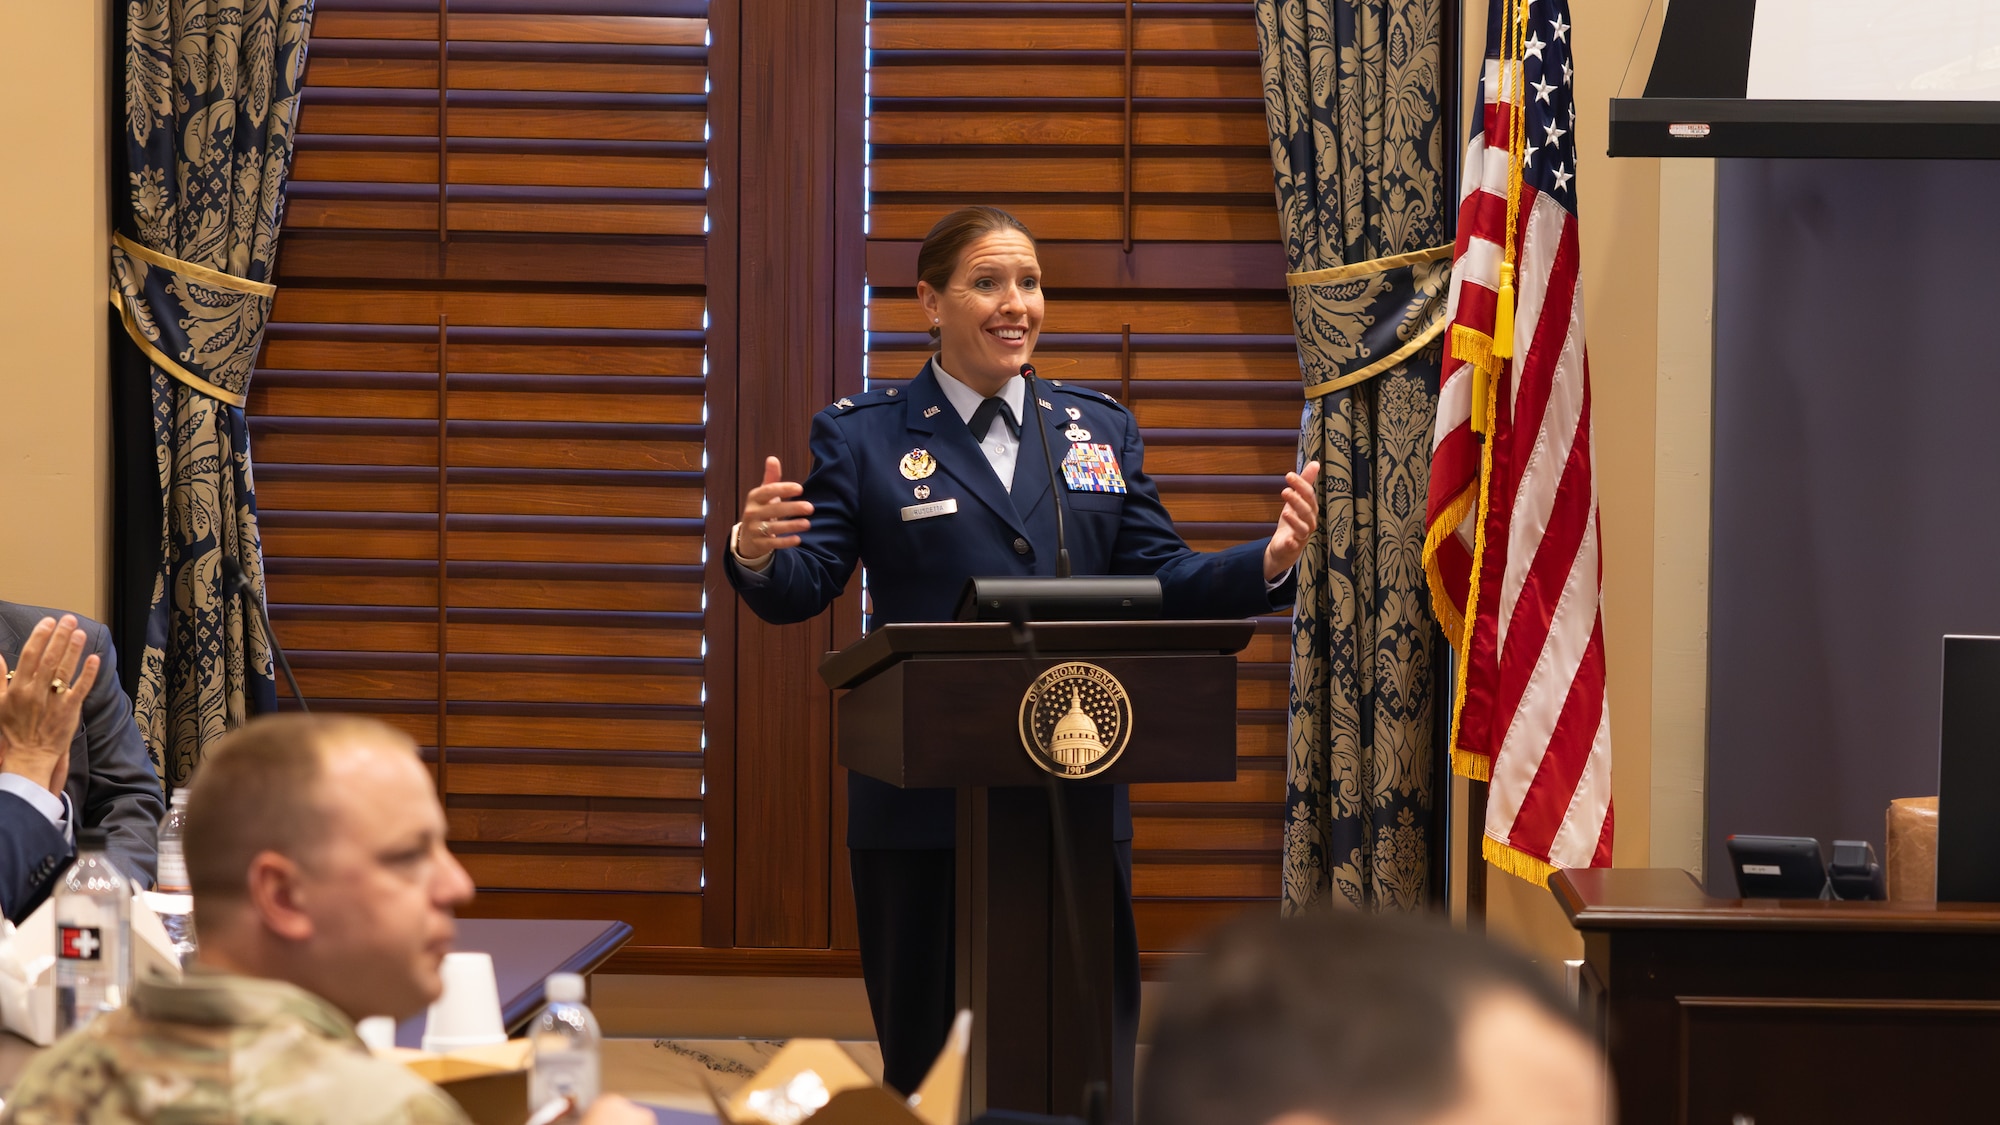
[467, 1014]
[378, 1033]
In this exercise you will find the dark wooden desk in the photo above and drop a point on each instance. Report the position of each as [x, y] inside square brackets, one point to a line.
[525, 951]
[1730, 1011]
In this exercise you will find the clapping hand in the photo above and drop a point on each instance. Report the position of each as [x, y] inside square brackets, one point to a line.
[42, 702]
[1295, 522]
[772, 516]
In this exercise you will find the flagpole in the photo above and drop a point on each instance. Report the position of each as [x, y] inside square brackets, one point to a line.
[1475, 856]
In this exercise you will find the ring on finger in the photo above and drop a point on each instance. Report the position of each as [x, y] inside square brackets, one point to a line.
[57, 686]
[764, 528]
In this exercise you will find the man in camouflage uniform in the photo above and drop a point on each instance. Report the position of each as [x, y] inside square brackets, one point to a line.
[316, 850]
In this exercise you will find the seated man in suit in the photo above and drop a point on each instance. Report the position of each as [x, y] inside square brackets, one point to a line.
[316, 847]
[41, 705]
[109, 780]
[1361, 1019]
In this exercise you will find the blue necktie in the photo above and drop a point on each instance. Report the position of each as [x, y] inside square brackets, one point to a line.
[989, 409]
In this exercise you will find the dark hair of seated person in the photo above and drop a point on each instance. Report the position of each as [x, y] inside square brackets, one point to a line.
[1347, 1017]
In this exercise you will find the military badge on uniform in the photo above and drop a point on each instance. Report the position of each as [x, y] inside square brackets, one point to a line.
[1092, 468]
[930, 411]
[1076, 433]
[845, 404]
[917, 464]
[922, 492]
[1075, 415]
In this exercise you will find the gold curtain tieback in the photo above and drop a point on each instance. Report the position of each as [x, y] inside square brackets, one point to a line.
[1427, 296]
[222, 336]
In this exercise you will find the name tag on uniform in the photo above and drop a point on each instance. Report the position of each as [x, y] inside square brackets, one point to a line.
[926, 511]
[1092, 468]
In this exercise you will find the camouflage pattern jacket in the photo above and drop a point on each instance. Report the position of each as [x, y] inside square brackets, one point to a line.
[217, 1048]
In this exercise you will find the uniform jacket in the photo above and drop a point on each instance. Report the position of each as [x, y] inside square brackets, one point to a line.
[111, 780]
[918, 567]
[224, 1049]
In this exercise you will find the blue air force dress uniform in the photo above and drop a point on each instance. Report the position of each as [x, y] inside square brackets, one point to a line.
[900, 482]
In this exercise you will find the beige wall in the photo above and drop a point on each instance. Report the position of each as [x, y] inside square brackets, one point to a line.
[1646, 236]
[54, 392]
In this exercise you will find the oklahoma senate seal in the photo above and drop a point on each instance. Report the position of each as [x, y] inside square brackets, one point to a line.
[1075, 720]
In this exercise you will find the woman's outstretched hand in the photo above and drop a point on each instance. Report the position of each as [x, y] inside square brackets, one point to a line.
[1295, 523]
[772, 518]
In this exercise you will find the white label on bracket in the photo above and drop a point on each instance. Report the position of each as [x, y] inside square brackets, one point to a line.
[1762, 869]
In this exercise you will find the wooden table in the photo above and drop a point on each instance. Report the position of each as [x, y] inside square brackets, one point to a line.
[1776, 1011]
[525, 951]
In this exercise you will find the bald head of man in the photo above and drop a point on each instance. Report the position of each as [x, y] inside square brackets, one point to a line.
[316, 853]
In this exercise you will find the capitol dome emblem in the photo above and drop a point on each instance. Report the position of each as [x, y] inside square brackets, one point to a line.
[1075, 720]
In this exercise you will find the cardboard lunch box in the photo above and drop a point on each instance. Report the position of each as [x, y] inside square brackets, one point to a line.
[809, 1080]
[489, 1083]
[814, 1080]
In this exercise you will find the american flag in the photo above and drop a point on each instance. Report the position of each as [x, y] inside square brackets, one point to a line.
[1512, 549]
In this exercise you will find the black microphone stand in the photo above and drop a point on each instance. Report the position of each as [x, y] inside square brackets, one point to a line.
[234, 583]
[1055, 480]
[1096, 1088]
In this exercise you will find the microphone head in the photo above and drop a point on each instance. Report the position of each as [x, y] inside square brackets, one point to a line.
[1027, 371]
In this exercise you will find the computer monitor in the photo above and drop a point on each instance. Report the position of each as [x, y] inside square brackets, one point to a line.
[1968, 848]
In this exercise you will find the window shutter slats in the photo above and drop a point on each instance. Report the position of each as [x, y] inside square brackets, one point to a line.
[504, 214]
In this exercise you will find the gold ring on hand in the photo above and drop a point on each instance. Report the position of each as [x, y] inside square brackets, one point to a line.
[764, 528]
[57, 686]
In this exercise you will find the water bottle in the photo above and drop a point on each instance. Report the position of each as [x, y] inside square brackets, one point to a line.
[93, 907]
[566, 1041]
[174, 902]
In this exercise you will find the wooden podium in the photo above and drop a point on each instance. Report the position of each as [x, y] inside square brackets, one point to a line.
[939, 706]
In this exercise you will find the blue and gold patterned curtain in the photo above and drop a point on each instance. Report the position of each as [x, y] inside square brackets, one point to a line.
[211, 98]
[1352, 96]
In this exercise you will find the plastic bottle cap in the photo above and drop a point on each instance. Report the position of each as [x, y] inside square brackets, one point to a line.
[564, 988]
[180, 798]
[92, 839]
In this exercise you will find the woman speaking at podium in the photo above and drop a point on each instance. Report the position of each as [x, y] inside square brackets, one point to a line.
[931, 484]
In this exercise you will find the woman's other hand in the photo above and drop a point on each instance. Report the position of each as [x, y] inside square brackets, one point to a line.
[1296, 522]
[773, 517]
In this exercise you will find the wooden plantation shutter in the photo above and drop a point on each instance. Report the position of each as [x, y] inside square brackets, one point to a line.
[492, 305]
[1130, 137]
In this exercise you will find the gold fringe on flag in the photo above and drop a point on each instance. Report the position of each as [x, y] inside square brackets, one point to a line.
[1467, 763]
[1517, 863]
[1443, 528]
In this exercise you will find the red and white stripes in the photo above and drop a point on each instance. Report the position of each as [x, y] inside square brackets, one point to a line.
[1520, 508]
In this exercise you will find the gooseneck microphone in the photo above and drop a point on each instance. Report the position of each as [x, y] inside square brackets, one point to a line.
[1055, 479]
[234, 583]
